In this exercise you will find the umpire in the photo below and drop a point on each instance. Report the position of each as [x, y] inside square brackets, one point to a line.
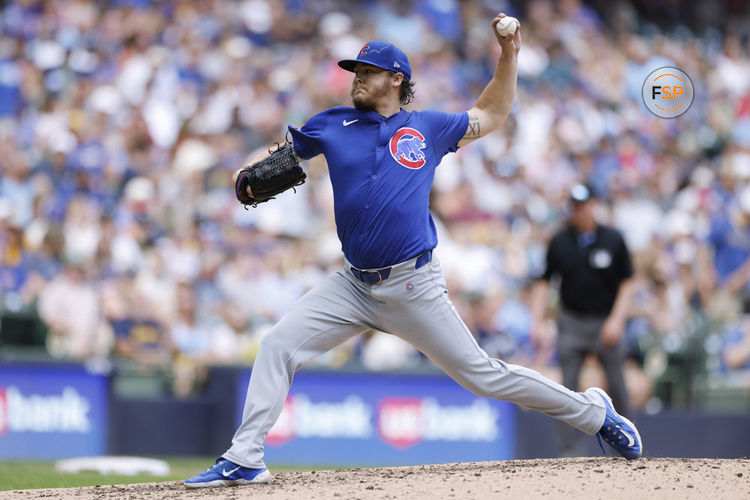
[593, 266]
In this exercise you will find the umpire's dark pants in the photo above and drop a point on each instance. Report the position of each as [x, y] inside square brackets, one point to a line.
[578, 335]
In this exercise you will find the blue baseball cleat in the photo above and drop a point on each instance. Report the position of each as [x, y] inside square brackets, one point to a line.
[618, 431]
[226, 473]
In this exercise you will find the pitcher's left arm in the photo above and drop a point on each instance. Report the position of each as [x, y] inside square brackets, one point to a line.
[493, 105]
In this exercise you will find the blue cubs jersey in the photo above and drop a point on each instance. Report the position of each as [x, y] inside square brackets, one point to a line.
[381, 170]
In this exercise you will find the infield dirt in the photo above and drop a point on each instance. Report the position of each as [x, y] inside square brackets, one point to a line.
[589, 478]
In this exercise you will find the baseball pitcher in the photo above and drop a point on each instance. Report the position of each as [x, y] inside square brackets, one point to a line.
[382, 161]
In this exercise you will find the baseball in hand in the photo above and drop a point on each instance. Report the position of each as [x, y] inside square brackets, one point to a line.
[507, 26]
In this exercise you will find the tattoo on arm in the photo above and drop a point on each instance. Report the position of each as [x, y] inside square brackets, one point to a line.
[472, 132]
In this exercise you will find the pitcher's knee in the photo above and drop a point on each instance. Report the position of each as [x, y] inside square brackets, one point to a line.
[274, 344]
[484, 378]
[484, 392]
[477, 388]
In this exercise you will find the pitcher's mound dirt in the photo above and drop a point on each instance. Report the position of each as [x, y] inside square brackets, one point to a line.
[587, 478]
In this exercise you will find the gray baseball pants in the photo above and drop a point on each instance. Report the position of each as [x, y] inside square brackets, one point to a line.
[413, 304]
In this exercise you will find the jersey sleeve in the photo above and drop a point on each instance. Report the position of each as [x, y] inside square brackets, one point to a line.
[550, 266]
[308, 141]
[447, 130]
[625, 264]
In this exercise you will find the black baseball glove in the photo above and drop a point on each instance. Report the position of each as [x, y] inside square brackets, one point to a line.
[270, 176]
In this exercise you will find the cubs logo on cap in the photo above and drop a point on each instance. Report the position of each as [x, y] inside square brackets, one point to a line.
[383, 55]
[407, 147]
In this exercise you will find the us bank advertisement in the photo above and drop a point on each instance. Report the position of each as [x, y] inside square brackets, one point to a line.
[49, 412]
[380, 419]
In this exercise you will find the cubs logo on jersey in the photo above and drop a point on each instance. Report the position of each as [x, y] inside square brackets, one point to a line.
[407, 147]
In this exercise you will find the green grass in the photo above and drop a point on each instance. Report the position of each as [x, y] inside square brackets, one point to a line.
[28, 475]
[34, 475]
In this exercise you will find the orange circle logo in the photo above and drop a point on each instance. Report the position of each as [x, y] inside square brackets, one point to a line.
[668, 92]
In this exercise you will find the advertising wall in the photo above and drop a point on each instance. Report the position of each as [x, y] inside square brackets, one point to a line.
[51, 411]
[368, 419]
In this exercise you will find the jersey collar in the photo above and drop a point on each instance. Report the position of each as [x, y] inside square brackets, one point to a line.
[402, 115]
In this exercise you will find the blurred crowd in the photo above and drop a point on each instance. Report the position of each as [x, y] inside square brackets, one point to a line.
[121, 123]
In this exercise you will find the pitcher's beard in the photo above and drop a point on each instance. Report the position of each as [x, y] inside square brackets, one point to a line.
[368, 101]
[363, 103]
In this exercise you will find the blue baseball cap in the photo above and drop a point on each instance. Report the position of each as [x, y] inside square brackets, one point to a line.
[383, 55]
